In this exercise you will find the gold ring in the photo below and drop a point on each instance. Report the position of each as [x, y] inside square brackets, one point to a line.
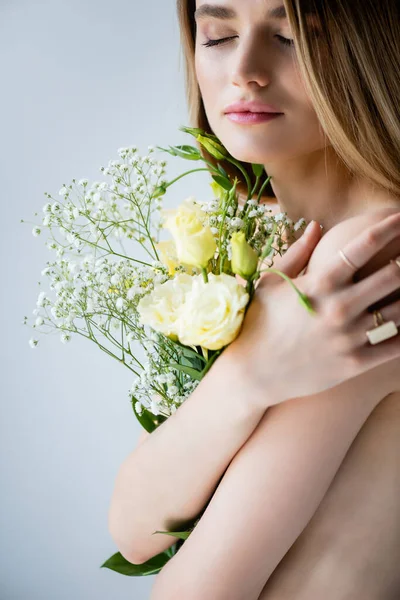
[383, 330]
[348, 261]
[378, 319]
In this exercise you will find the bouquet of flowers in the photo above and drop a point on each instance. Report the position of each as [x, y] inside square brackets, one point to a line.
[181, 301]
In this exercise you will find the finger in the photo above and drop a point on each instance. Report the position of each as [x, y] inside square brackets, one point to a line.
[390, 312]
[360, 296]
[297, 256]
[377, 354]
[360, 250]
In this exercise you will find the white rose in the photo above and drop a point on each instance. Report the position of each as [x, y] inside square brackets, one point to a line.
[160, 309]
[213, 312]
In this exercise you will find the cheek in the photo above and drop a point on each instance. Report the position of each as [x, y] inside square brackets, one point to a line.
[208, 76]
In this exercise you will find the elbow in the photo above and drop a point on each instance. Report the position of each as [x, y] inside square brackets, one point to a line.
[120, 523]
[127, 550]
[126, 544]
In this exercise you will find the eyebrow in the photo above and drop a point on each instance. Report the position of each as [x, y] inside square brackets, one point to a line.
[226, 13]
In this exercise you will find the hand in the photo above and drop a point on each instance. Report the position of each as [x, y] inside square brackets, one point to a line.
[292, 353]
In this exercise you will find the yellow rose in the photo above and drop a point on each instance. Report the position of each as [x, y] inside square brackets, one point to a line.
[167, 251]
[244, 257]
[213, 312]
[160, 309]
[194, 241]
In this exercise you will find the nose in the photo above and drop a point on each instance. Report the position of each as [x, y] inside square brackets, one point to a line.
[251, 63]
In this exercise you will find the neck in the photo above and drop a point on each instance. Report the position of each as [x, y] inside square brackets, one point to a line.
[318, 186]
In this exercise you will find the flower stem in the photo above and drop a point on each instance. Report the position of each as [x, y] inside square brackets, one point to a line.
[303, 298]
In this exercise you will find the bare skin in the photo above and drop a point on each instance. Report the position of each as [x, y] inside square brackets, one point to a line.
[254, 64]
[337, 548]
[351, 547]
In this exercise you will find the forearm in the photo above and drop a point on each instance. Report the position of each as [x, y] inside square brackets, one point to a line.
[170, 477]
[269, 493]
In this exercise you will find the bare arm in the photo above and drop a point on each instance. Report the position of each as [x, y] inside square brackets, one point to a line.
[168, 479]
[275, 483]
[269, 493]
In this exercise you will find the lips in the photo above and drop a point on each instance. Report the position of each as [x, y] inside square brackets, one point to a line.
[251, 107]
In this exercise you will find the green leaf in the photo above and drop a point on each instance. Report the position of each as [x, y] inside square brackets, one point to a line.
[183, 535]
[148, 421]
[194, 374]
[187, 152]
[154, 565]
[222, 171]
[257, 169]
[187, 351]
[169, 150]
[188, 149]
[192, 130]
[224, 183]
[211, 361]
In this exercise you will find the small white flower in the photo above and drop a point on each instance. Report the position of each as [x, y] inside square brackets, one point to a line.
[133, 291]
[46, 221]
[120, 304]
[170, 378]
[83, 182]
[154, 404]
[138, 408]
[253, 213]
[47, 208]
[299, 223]
[33, 343]
[279, 217]
[36, 231]
[237, 222]
[39, 321]
[63, 191]
[65, 338]
[41, 298]
[214, 230]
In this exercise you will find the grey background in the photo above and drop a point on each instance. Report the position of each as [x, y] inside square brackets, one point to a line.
[80, 79]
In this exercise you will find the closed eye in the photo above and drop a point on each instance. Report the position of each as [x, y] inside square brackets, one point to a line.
[210, 43]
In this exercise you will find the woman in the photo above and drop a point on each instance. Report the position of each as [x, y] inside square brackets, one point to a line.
[333, 152]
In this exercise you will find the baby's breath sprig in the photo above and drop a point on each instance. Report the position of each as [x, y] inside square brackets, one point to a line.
[181, 301]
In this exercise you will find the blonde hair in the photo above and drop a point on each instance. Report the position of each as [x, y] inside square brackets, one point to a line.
[351, 70]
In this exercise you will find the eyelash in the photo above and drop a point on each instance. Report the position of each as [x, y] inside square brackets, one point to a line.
[210, 43]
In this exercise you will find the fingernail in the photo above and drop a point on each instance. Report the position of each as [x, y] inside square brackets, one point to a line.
[309, 227]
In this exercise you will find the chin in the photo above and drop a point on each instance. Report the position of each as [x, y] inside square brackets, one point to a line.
[257, 155]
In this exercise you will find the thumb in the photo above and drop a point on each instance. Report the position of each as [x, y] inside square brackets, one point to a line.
[297, 256]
